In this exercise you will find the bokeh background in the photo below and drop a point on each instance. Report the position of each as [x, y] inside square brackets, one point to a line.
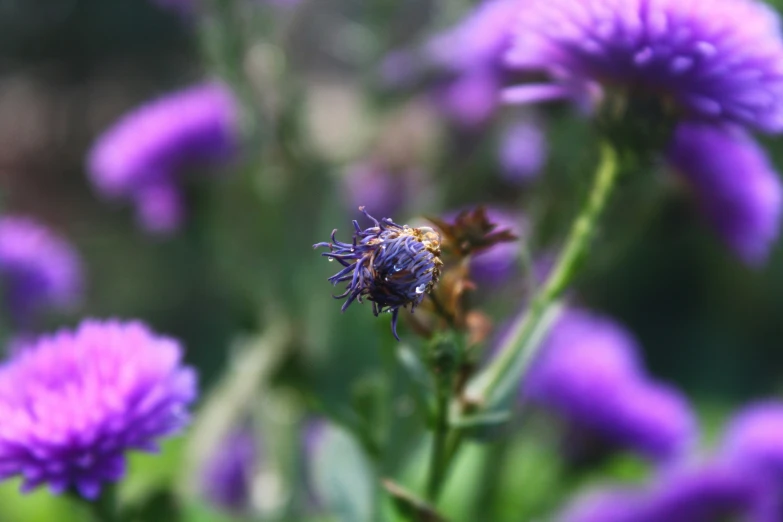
[708, 323]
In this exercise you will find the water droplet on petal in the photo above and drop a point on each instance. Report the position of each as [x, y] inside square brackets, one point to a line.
[330, 259]
[421, 288]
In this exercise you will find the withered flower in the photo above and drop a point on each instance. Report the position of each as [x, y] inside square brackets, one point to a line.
[389, 264]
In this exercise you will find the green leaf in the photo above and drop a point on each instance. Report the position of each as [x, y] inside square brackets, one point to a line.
[411, 506]
[343, 478]
[482, 420]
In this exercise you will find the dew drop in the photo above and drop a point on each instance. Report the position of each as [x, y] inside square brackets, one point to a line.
[421, 288]
[330, 259]
[397, 268]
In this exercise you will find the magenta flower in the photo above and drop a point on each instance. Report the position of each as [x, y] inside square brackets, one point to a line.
[39, 269]
[75, 402]
[154, 144]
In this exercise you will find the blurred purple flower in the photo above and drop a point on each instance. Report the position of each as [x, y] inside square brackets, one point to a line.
[693, 54]
[480, 40]
[710, 493]
[523, 150]
[500, 262]
[383, 188]
[159, 207]
[400, 69]
[609, 505]
[471, 54]
[754, 439]
[152, 145]
[312, 439]
[698, 65]
[589, 373]
[469, 100]
[228, 476]
[73, 403]
[39, 269]
[738, 188]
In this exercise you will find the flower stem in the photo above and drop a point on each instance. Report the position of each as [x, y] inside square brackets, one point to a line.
[438, 456]
[504, 373]
[446, 356]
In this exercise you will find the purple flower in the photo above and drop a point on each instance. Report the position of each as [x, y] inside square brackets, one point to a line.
[709, 493]
[392, 265]
[73, 403]
[589, 373]
[666, 62]
[523, 150]
[39, 269]
[609, 505]
[480, 40]
[471, 53]
[159, 207]
[228, 476]
[754, 439]
[500, 262]
[471, 99]
[381, 187]
[735, 183]
[692, 55]
[153, 144]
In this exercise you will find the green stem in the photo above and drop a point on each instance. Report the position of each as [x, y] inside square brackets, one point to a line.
[438, 457]
[509, 367]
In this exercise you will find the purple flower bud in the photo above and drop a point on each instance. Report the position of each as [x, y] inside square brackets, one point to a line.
[523, 151]
[589, 373]
[733, 180]
[227, 481]
[153, 144]
[392, 265]
[73, 403]
[39, 269]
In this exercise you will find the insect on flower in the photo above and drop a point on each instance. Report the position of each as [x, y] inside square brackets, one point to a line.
[389, 264]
